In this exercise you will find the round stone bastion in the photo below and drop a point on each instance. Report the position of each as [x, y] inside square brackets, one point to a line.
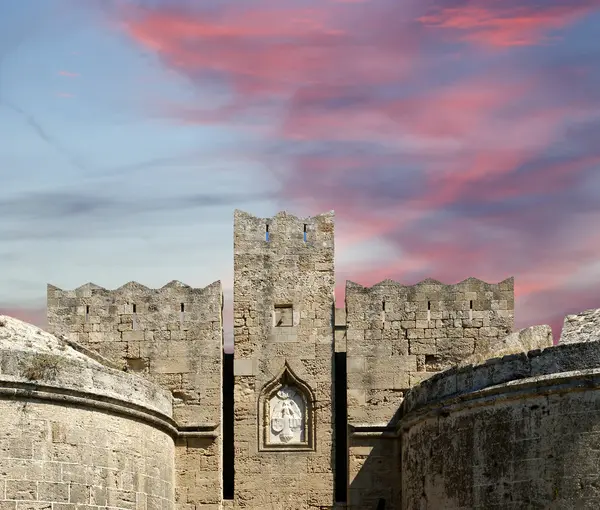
[518, 432]
[76, 432]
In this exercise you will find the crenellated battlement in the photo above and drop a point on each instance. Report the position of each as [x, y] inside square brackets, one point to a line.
[304, 373]
[172, 334]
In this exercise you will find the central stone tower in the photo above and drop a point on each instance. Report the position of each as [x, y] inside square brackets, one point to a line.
[283, 306]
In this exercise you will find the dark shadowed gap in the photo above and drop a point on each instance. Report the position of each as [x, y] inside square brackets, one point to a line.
[341, 428]
[228, 440]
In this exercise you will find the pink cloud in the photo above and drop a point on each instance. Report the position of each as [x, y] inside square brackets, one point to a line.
[477, 142]
[502, 24]
[268, 52]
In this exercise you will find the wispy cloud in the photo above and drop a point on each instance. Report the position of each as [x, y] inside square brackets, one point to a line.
[508, 23]
[460, 135]
[462, 172]
[69, 74]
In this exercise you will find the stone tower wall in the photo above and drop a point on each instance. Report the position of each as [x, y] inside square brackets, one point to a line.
[76, 434]
[173, 336]
[396, 337]
[514, 432]
[283, 312]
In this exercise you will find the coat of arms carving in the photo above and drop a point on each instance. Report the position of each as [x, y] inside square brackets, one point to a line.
[287, 411]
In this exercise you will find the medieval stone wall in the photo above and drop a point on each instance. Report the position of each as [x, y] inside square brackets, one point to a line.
[74, 457]
[396, 340]
[581, 327]
[397, 336]
[515, 432]
[75, 434]
[283, 332]
[173, 336]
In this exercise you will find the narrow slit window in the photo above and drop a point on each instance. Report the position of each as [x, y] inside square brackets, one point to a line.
[267, 233]
[305, 233]
[134, 308]
[428, 305]
[182, 307]
[87, 309]
[383, 306]
[471, 304]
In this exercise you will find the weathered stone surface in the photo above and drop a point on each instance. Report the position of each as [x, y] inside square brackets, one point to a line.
[74, 432]
[516, 432]
[122, 408]
[398, 336]
[283, 331]
[16, 335]
[171, 336]
[582, 327]
[524, 340]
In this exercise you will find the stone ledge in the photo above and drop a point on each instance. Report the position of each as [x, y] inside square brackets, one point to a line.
[365, 430]
[67, 374]
[462, 380]
[14, 390]
[518, 390]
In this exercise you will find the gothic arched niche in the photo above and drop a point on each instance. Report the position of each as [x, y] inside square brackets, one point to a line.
[286, 407]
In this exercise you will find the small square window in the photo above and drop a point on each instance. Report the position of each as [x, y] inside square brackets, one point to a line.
[284, 316]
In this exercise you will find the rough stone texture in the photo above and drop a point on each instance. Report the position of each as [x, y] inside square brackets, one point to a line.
[29, 355]
[123, 407]
[19, 335]
[524, 340]
[515, 432]
[396, 337]
[146, 331]
[69, 458]
[76, 433]
[283, 328]
[582, 327]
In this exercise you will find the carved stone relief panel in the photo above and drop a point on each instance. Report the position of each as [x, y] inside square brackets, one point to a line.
[287, 417]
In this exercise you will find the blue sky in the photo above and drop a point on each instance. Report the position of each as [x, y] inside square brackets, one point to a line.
[452, 138]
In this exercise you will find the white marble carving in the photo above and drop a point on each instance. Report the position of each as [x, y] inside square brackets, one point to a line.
[287, 411]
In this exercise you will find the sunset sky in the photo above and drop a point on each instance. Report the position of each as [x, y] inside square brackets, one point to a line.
[453, 138]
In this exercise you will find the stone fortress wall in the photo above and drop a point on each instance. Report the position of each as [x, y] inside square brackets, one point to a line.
[283, 299]
[521, 431]
[75, 433]
[172, 336]
[397, 336]
[391, 398]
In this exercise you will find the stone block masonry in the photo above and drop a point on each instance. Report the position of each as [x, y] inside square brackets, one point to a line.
[75, 457]
[516, 432]
[315, 397]
[283, 332]
[396, 337]
[76, 434]
[581, 327]
[173, 336]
